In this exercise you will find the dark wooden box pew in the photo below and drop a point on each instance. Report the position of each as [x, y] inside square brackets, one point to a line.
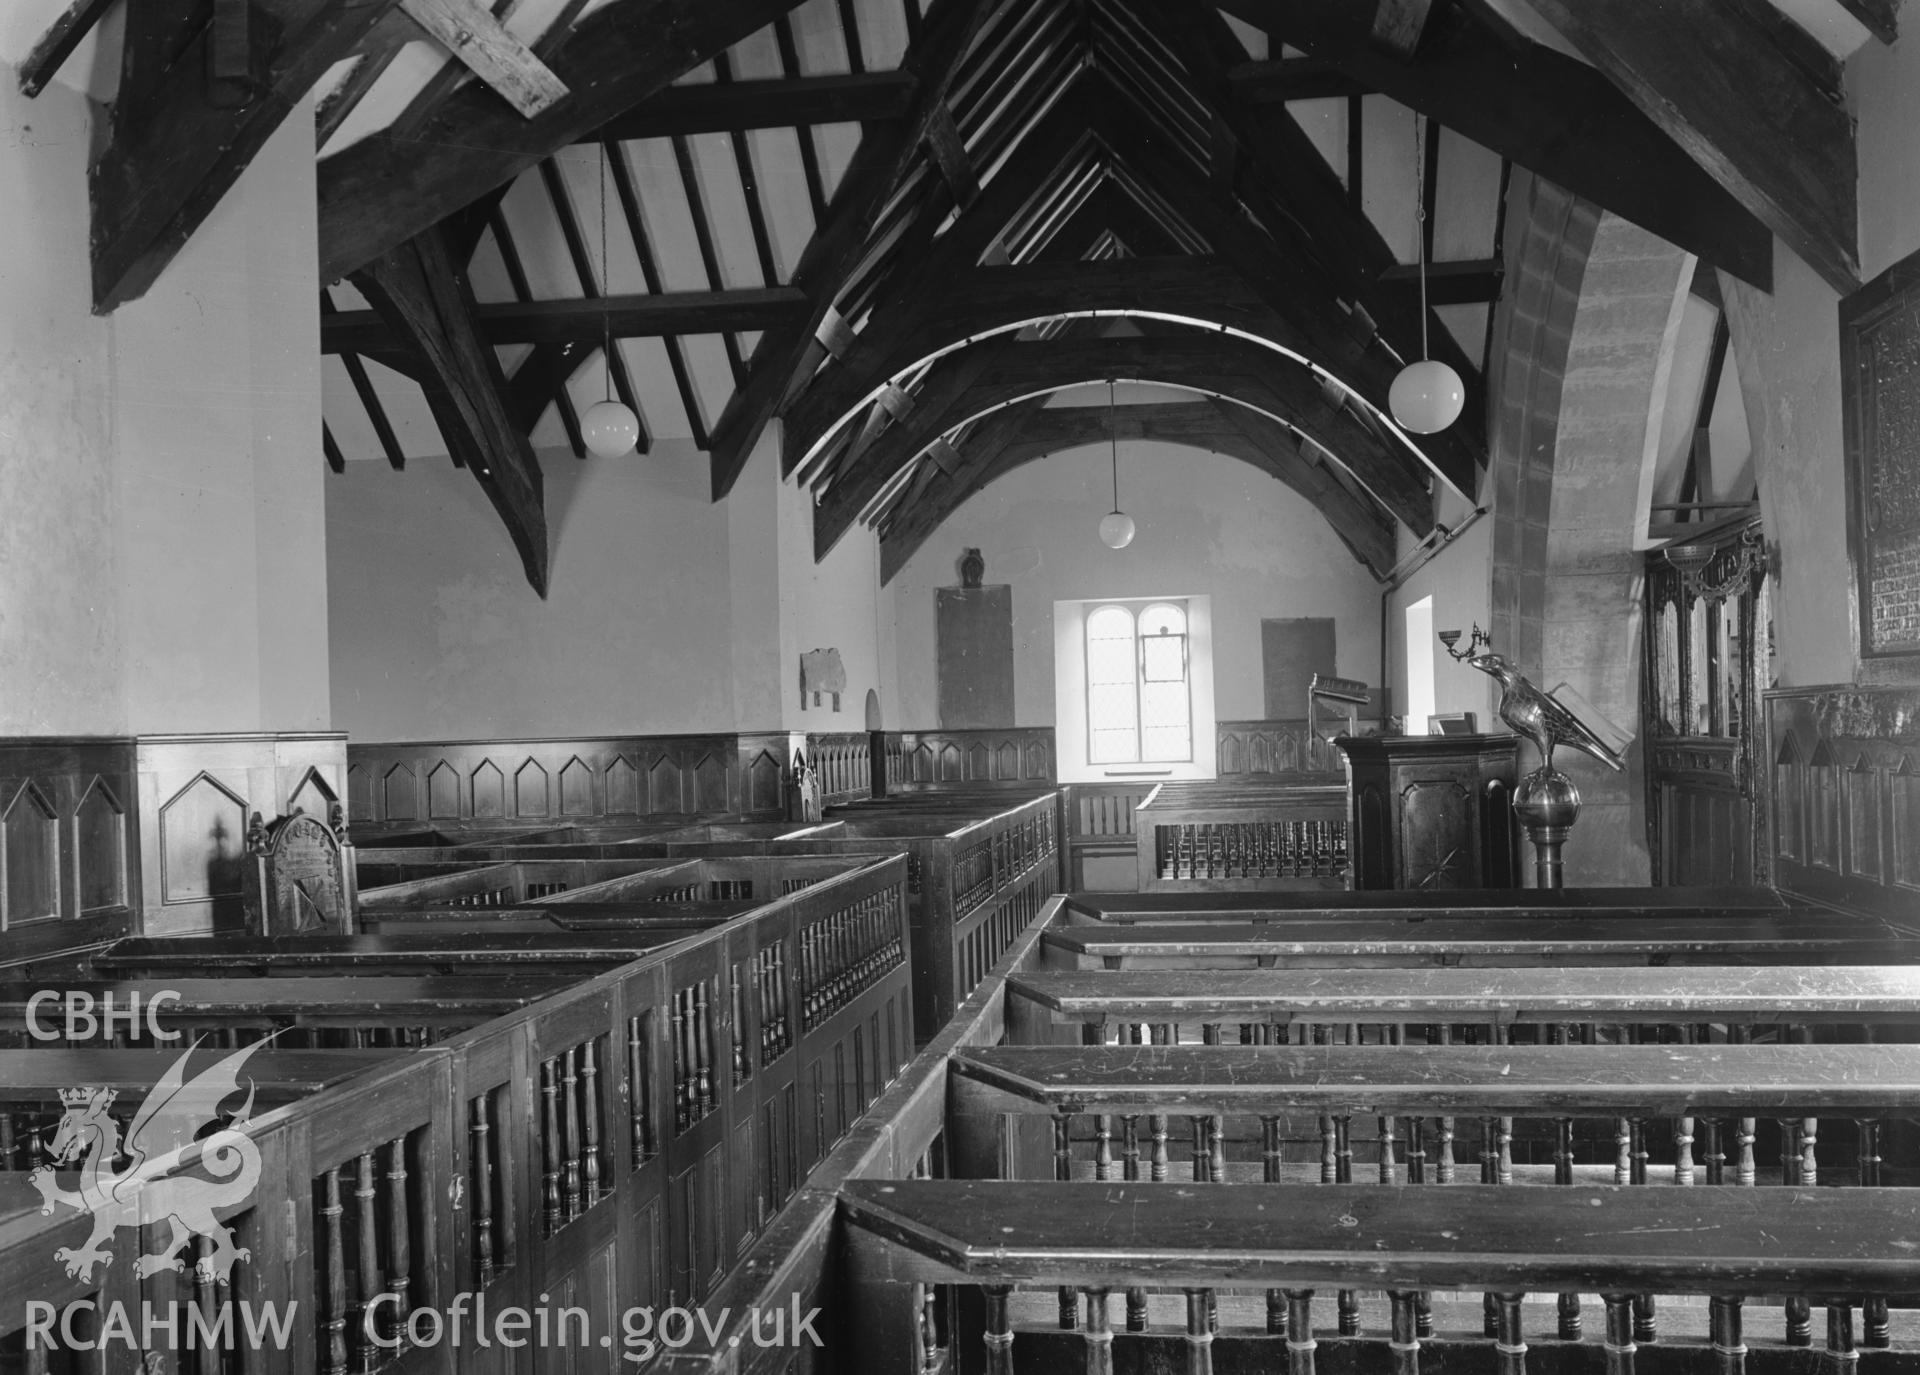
[610, 1143]
[1244, 1108]
[978, 872]
[635, 881]
[1244, 836]
[624, 1141]
[1295, 1241]
[1784, 1003]
[32, 1082]
[350, 1203]
[1481, 940]
[922, 1126]
[1675, 904]
[344, 1011]
[1579, 1003]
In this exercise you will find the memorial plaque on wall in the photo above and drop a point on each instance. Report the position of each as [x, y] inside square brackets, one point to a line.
[973, 639]
[1880, 380]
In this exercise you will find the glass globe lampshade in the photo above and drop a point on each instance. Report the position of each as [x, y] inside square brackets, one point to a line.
[1116, 530]
[609, 428]
[1426, 397]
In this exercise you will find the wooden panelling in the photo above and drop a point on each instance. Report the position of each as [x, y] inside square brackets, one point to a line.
[1844, 796]
[611, 778]
[843, 760]
[1016, 755]
[1225, 835]
[1433, 811]
[1273, 747]
[1099, 825]
[1700, 710]
[69, 858]
[194, 796]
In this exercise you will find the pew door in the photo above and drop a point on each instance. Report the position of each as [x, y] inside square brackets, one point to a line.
[699, 999]
[1705, 661]
[578, 1083]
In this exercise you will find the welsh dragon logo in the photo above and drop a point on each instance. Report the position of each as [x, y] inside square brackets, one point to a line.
[143, 1193]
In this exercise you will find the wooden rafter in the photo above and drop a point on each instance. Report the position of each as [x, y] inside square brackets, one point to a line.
[1205, 362]
[170, 154]
[950, 153]
[585, 319]
[703, 239]
[395, 30]
[1398, 24]
[837, 245]
[570, 233]
[1081, 236]
[336, 460]
[1252, 283]
[1712, 79]
[381, 190]
[369, 398]
[509, 252]
[1293, 193]
[1466, 282]
[629, 197]
[424, 294]
[784, 102]
[1546, 112]
[56, 45]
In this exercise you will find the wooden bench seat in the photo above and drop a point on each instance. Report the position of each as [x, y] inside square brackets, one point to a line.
[1618, 1081]
[1763, 994]
[1726, 937]
[553, 952]
[530, 920]
[32, 1081]
[32, 1076]
[1402, 1239]
[347, 1001]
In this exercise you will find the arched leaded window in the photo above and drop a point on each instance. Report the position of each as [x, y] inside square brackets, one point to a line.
[1139, 685]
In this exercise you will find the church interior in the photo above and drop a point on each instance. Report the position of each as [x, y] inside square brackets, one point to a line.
[959, 686]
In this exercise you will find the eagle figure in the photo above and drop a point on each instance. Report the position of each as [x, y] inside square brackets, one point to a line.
[1541, 717]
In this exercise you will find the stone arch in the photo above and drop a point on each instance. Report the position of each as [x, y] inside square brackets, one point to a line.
[1587, 328]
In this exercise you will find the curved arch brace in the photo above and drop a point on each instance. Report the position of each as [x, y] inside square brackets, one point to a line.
[1199, 293]
[1215, 425]
[997, 374]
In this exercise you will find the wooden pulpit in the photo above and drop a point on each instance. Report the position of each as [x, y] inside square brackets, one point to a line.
[1431, 811]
